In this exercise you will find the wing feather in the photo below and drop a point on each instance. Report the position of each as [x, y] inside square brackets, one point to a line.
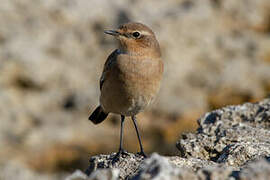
[107, 66]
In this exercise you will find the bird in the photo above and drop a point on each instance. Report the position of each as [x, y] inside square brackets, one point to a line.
[131, 77]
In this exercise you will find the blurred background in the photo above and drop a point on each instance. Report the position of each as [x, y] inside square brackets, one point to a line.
[216, 53]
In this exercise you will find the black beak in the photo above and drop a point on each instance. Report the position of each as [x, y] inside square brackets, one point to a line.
[112, 32]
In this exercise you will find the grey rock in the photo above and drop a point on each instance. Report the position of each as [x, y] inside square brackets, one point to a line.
[135, 167]
[77, 175]
[160, 168]
[216, 173]
[232, 135]
[101, 174]
[230, 143]
[127, 164]
[190, 163]
[259, 170]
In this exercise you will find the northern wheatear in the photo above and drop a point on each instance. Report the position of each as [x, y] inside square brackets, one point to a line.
[131, 76]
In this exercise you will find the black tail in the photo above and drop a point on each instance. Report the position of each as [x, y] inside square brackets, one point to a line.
[98, 115]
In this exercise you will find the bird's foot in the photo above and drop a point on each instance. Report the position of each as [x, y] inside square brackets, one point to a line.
[142, 154]
[121, 153]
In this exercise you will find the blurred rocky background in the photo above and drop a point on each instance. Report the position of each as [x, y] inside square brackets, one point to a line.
[216, 53]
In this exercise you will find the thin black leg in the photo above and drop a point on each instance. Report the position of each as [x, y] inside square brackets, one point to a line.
[121, 150]
[138, 135]
[121, 133]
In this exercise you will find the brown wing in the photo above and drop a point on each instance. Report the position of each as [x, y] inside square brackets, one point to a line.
[107, 66]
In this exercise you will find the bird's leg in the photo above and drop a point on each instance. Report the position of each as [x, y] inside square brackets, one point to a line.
[138, 135]
[121, 150]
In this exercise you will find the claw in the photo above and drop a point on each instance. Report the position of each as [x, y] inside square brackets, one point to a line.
[142, 154]
[121, 153]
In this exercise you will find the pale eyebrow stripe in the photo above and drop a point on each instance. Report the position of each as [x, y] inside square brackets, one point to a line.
[144, 32]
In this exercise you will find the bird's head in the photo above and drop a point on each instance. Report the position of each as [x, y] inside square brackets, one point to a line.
[136, 39]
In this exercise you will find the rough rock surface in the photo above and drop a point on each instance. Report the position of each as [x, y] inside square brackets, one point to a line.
[230, 143]
[127, 164]
[232, 135]
[161, 168]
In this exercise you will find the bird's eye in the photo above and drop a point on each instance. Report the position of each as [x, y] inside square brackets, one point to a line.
[136, 34]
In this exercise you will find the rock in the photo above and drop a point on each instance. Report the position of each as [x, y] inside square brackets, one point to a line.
[127, 164]
[259, 169]
[230, 143]
[112, 174]
[134, 167]
[190, 163]
[98, 174]
[216, 172]
[232, 135]
[160, 168]
[77, 175]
